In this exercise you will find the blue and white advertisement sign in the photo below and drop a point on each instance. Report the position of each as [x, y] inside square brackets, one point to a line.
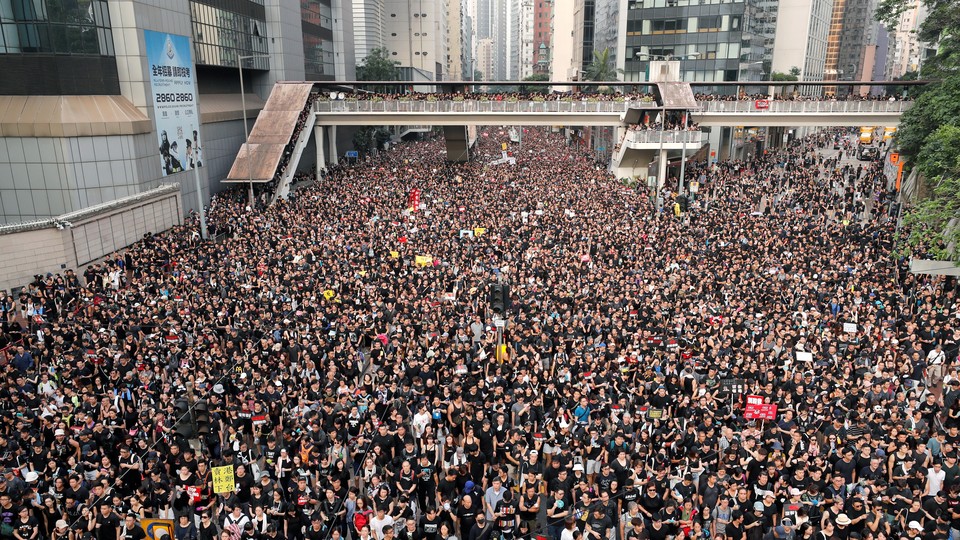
[172, 80]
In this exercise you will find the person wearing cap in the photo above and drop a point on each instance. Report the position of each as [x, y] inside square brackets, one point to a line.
[61, 531]
[753, 522]
[914, 529]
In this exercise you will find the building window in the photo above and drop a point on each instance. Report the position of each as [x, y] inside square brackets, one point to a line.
[47, 26]
[709, 23]
[669, 26]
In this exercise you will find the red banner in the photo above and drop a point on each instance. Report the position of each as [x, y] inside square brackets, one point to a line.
[758, 410]
[761, 104]
[413, 200]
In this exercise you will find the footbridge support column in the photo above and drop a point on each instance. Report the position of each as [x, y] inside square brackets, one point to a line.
[332, 140]
[321, 153]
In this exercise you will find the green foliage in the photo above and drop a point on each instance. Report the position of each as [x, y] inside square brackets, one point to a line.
[601, 69]
[929, 132]
[369, 138]
[795, 71]
[934, 108]
[782, 77]
[530, 89]
[910, 91]
[940, 27]
[931, 225]
[378, 66]
[940, 155]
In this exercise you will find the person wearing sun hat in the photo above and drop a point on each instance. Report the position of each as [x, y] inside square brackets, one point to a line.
[914, 529]
[61, 531]
[842, 522]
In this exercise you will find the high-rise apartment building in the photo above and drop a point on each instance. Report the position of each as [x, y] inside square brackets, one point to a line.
[852, 44]
[456, 42]
[905, 53]
[525, 11]
[802, 30]
[468, 47]
[416, 36]
[485, 59]
[542, 35]
[493, 23]
[713, 41]
[765, 13]
[90, 127]
[564, 62]
[368, 27]
[858, 41]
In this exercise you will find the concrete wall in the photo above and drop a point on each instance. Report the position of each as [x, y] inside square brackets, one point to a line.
[49, 176]
[91, 234]
[29, 253]
[635, 163]
[223, 141]
[286, 46]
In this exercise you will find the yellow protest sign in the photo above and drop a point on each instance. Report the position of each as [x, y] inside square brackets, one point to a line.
[328, 294]
[423, 260]
[478, 231]
[395, 254]
[223, 481]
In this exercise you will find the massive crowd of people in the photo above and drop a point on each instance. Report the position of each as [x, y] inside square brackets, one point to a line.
[345, 343]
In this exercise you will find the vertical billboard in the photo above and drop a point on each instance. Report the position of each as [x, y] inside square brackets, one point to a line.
[172, 81]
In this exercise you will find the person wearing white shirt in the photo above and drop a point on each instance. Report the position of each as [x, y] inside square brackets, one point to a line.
[380, 521]
[935, 361]
[935, 478]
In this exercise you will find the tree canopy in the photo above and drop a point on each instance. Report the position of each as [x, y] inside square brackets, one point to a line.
[929, 132]
[782, 77]
[378, 66]
[535, 89]
[602, 68]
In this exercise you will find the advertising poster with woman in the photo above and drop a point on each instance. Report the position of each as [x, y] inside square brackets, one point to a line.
[174, 101]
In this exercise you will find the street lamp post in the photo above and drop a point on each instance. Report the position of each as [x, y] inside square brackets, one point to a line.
[246, 130]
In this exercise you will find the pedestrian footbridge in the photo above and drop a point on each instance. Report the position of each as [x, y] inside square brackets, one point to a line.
[602, 113]
[295, 111]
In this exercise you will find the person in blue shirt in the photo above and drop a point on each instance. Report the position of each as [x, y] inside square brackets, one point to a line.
[23, 360]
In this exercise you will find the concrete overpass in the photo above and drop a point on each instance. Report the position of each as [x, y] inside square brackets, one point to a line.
[275, 144]
[402, 112]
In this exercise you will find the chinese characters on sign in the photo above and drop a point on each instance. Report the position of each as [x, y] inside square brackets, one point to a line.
[758, 410]
[223, 480]
[174, 101]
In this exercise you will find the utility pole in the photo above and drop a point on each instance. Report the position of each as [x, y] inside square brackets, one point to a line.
[246, 130]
